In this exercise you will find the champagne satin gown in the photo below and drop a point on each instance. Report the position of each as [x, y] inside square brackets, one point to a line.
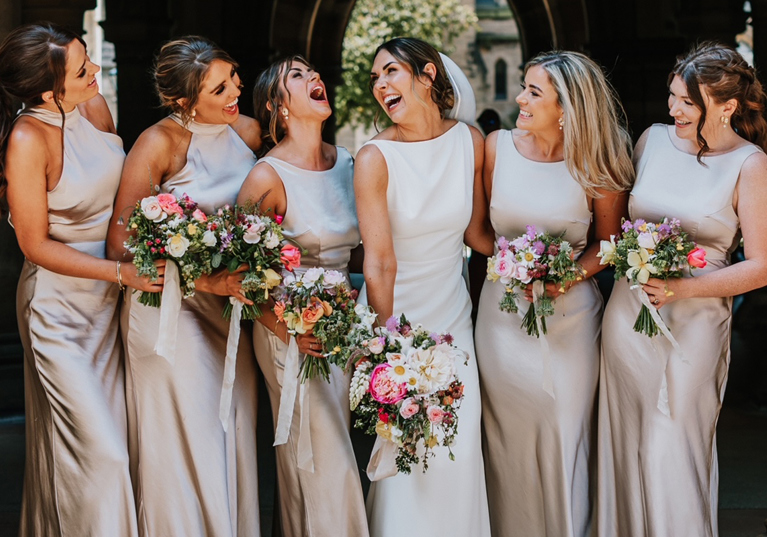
[76, 478]
[430, 202]
[539, 459]
[192, 478]
[658, 474]
[322, 218]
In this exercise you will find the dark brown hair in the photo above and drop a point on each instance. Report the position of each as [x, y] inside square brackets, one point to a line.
[33, 60]
[267, 91]
[726, 75]
[416, 53]
[179, 69]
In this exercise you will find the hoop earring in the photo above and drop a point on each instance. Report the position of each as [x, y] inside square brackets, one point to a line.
[561, 123]
[725, 121]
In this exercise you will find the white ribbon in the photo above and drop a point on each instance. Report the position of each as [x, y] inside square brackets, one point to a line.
[663, 404]
[230, 363]
[290, 383]
[170, 308]
[548, 380]
[383, 460]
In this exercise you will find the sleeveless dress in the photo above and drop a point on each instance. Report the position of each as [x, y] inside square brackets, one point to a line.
[192, 478]
[658, 474]
[538, 456]
[76, 479]
[322, 218]
[430, 202]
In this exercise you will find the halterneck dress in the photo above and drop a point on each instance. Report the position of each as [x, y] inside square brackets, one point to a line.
[430, 191]
[658, 473]
[193, 478]
[322, 218]
[76, 479]
[538, 454]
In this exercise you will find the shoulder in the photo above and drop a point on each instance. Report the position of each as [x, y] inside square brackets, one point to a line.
[161, 138]
[641, 144]
[96, 111]
[262, 175]
[370, 155]
[476, 137]
[755, 166]
[388, 134]
[249, 130]
[30, 138]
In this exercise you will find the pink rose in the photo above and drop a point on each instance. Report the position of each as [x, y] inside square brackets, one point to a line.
[383, 389]
[169, 204]
[409, 408]
[278, 218]
[290, 256]
[504, 268]
[435, 414]
[199, 216]
[697, 258]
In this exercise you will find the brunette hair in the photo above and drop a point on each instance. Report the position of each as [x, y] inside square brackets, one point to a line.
[267, 92]
[597, 144]
[179, 69]
[33, 60]
[416, 53]
[726, 75]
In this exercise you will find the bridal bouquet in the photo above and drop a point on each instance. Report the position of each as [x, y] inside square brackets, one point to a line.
[239, 235]
[405, 389]
[646, 250]
[171, 228]
[321, 302]
[530, 258]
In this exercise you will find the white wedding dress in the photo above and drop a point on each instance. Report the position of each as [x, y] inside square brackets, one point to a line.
[430, 204]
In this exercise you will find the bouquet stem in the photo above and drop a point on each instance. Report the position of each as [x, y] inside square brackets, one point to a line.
[314, 367]
[249, 313]
[645, 324]
[529, 322]
[153, 300]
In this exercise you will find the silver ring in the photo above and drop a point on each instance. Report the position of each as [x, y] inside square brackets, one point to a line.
[656, 302]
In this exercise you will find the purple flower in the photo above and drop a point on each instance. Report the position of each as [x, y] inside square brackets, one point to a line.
[530, 232]
[434, 336]
[638, 223]
[664, 230]
[503, 243]
[539, 247]
[627, 226]
[392, 324]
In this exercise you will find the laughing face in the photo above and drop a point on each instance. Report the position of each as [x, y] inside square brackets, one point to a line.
[219, 93]
[303, 93]
[394, 87]
[686, 115]
[80, 80]
[538, 102]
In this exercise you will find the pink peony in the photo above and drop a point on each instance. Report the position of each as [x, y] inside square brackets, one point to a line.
[169, 204]
[409, 408]
[697, 258]
[435, 414]
[383, 389]
[290, 256]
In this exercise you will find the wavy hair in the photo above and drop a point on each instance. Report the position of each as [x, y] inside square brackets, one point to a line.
[597, 146]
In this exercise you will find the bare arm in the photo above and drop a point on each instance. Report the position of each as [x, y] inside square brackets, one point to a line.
[751, 199]
[371, 180]
[479, 235]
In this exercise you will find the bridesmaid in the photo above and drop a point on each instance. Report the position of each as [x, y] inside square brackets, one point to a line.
[192, 477]
[419, 192]
[60, 164]
[309, 182]
[658, 473]
[565, 169]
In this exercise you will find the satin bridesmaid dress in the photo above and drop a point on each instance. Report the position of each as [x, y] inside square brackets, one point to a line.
[539, 457]
[193, 478]
[76, 478]
[322, 218]
[430, 202]
[658, 473]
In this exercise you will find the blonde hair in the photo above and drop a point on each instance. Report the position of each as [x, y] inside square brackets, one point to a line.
[597, 143]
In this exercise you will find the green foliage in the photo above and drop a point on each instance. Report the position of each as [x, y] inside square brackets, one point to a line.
[373, 22]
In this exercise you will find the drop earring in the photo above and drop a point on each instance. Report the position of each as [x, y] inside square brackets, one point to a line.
[285, 113]
[725, 121]
[561, 123]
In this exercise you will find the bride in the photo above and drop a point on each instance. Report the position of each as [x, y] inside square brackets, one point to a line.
[419, 198]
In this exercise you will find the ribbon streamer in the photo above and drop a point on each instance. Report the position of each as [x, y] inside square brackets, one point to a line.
[230, 363]
[170, 308]
[287, 404]
[548, 379]
[663, 398]
[383, 460]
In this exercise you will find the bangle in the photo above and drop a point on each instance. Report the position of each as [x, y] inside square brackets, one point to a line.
[120, 278]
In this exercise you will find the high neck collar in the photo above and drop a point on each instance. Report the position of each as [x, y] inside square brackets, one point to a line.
[200, 128]
[51, 117]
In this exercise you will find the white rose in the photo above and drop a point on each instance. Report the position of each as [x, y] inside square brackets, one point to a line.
[521, 274]
[333, 278]
[311, 276]
[209, 238]
[646, 240]
[272, 240]
[375, 345]
[253, 233]
[177, 245]
[152, 210]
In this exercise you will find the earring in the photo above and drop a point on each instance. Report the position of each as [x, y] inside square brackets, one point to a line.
[725, 121]
[285, 113]
[561, 123]
[194, 113]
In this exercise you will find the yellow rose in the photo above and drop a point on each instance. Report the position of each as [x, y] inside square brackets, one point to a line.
[271, 278]
[191, 229]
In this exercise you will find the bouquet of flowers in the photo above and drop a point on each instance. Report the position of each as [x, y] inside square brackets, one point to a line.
[405, 389]
[321, 302]
[646, 250]
[529, 258]
[172, 228]
[239, 236]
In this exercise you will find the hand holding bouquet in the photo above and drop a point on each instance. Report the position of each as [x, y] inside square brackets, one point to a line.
[239, 235]
[646, 250]
[320, 302]
[405, 389]
[529, 258]
[168, 228]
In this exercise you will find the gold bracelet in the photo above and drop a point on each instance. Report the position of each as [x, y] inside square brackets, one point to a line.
[120, 278]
